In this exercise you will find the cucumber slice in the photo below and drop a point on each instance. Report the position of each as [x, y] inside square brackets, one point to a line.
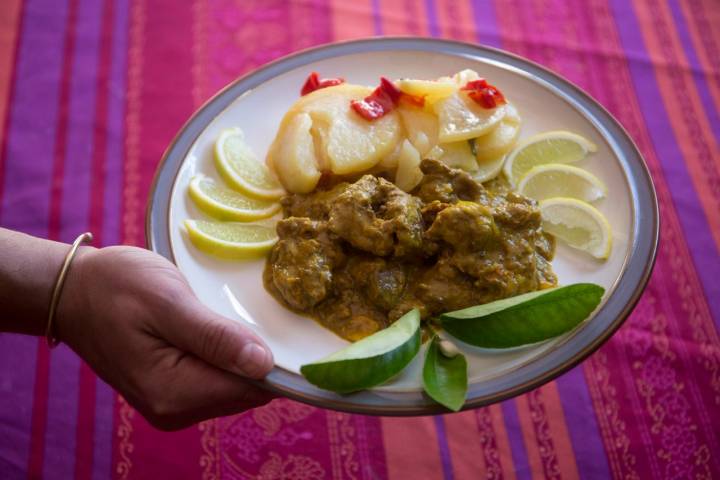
[370, 361]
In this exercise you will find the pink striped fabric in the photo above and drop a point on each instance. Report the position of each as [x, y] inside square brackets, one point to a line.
[92, 91]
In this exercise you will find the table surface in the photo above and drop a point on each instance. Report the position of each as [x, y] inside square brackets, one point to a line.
[91, 92]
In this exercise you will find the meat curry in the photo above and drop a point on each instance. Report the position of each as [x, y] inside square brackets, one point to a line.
[357, 256]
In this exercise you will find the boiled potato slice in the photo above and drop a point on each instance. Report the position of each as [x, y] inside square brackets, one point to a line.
[499, 141]
[432, 90]
[292, 155]
[421, 128]
[408, 171]
[458, 155]
[347, 142]
[461, 118]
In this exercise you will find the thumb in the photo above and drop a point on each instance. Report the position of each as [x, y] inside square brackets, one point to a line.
[220, 341]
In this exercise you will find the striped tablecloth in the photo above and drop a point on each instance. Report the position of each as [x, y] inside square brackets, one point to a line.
[91, 92]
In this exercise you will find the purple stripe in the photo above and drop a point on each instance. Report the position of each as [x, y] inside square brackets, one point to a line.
[377, 18]
[60, 437]
[24, 206]
[104, 395]
[590, 454]
[516, 440]
[690, 212]
[443, 447]
[432, 19]
[699, 77]
[486, 22]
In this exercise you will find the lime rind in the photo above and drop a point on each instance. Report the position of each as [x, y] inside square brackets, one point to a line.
[578, 224]
[557, 146]
[561, 180]
[231, 240]
[239, 167]
[228, 204]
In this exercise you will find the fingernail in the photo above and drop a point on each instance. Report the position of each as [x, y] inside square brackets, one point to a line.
[253, 360]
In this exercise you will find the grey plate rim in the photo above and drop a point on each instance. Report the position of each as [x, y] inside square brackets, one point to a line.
[579, 345]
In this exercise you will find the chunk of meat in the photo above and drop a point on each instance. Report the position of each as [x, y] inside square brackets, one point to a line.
[302, 262]
[465, 226]
[446, 184]
[381, 281]
[375, 216]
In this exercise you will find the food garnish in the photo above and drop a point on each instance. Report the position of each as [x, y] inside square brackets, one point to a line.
[227, 204]
[314, 82]
[578, 224]
[383, 100]
[445, 376]
[548, 147]
[524, 319]
[230, 240]
[561, 180]
[237, 165]
[370, 361]
[484, 94]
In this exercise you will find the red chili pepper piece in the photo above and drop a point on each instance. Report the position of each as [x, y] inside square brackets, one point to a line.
[314, 82]
[484, 94]
[383, 100]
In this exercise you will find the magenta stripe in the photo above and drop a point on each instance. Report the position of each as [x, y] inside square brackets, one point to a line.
[690, 212]
[377, 18]
[590, 455]
[433, 27]
[443, 448]
[105, 395]
[25, 203]
[515, 438]
[486, 22]
[60, 438]
[699, 77]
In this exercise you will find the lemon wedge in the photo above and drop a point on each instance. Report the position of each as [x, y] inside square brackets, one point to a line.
[239, 167]
[230, 240]
[560, 180]
[578, 224]
[549, 147]
[227, 204]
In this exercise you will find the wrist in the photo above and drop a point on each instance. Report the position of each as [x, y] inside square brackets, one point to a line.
[73, 304]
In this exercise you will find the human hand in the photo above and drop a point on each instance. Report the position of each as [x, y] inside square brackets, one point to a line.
[132, 316]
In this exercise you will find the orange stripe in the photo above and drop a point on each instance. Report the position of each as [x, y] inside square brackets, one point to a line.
[465, 445]
[559, 431]
[9, 23]
[351, 19]
[503, 442]
[411, 448]
[528, 433]
[683, 104]
[455, 19]
[704, 56]
[400, 17]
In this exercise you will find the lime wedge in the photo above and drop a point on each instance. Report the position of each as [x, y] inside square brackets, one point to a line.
[370, 361]
[560, 180]
[549, 147]
[578, 224]
[227, 204]
[231, 240]
[239, 167]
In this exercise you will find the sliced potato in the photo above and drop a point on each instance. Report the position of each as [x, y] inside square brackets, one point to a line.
[432, 90]
[408, 171]
[292, 155]
[351, 143]
[501, 140]
[421, 128]
[459, 155]
[460, 118]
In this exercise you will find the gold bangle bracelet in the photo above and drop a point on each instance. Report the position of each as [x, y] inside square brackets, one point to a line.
[59, 283]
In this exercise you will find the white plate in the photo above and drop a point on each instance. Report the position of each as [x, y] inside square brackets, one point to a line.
[257, 102]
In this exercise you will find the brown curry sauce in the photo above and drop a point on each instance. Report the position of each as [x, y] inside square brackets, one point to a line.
[357, 256]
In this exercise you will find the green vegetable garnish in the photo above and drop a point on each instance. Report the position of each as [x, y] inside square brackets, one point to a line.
[444, 377]
[370, 361]
[524, 319]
